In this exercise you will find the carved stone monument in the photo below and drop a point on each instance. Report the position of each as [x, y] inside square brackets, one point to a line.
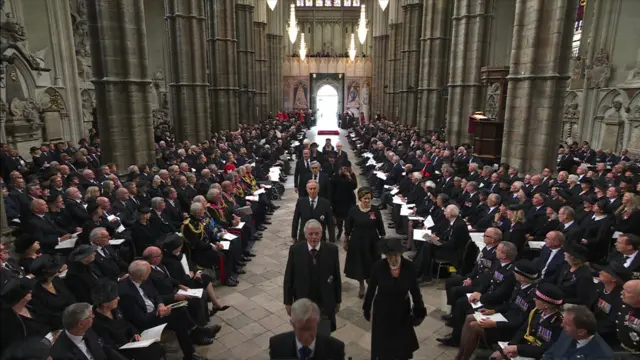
[613, 129]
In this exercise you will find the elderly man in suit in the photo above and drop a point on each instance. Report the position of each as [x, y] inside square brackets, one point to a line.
[303, 167]
[551, 258]
[450, 246]
[42, 227]
[312, 207]
[304, 342]
[313, 272]
[579, 339]
[320, 177]
[78, 341]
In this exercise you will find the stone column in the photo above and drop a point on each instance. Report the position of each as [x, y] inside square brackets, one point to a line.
[275, 56]
[223, 58]
[121, 80]
[468, 51]
[260, 36]
[435, 45]
[246, 61]
[380, 34]
[410, 54]
[540, 56]
[185, 25]
[4, 223]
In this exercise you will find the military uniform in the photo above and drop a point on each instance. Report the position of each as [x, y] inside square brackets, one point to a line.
[628, 325]
[515, 311]
[606, 311]
[480, 274]
[537, 334]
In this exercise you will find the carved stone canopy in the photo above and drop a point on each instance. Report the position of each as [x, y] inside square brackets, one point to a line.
[599, 72]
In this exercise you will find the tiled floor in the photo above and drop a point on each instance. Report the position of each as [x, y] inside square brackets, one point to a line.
[257, 311]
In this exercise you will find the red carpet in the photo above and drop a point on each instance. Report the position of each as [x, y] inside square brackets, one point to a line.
[328, 132]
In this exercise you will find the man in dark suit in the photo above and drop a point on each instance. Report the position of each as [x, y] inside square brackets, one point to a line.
[569, 227]
[451, 247]
[305, 342]
[159, 220]
[44, 229]
[551, 257]
[144, 308]
[320, 177]
[173, 210]
[313, 272]
[312, 207]
[123, 208]
[76, 207]
[303, 166]
[78, 341]
[579, 339]
[108, 262]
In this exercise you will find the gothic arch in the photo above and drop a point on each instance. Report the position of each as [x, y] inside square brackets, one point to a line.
[335, 84]
[24, 72]
[52, 99]
[571, 115]
[606, 103]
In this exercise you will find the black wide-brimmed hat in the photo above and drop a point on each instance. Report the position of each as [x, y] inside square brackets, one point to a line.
[82, 252]
[23, 243]
[549, 293]
[45, 266]
[346, 163]
[144, 210]
[527, 269]
[517, 207]
[15, 290]
[618, 272]
[172, 242]
[577, 251]
[104, 292]
[392, 245]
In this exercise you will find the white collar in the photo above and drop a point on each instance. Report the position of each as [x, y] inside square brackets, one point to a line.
[598, 217]
[312, 199]
[524, 286]
[312, 347]
[473, 193]
[317, 247]
[568, 224]
[491, 208]
[553, 251]
[76, 339]
[584, 342]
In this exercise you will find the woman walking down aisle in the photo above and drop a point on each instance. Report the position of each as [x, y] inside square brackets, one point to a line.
[341, 194]
[392, 280]
[363, 230]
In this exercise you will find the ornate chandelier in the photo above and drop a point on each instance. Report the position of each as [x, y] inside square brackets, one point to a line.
[303, 47]
[383, 4]
[272, 4]
[292, 29]
[362, 25]
[352, 47]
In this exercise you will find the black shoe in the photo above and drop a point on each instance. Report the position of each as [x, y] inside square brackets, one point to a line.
[231, 283]
[446, 317]
[392, 226]
[249, 254]
[267, 222]
[261, 228]
[200, 339]
[241, 271]
[448, 341]
[220, 309]
[240, 264]
[212, 331]
[245, 258]
[195, 356]
[276, 207]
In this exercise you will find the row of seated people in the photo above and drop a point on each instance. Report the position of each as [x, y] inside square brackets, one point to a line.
[538, 221]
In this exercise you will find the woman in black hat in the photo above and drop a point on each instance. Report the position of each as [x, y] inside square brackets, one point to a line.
[515, 311]
[541, 329]
[612, 277]
[113, 329]
[60, 215]
[341, 188]
[28, 249]
[142, 233]
[81, 278]
[363, 230]
[392, 280]
[597, 232]
[20, 321]
[575, 279]
[50, 293]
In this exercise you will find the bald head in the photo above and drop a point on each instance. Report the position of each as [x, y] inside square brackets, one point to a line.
[151, 251]
[631, 293]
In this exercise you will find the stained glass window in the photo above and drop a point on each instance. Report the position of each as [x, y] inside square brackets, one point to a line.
[309, 2]
[347, 2]
[356, 3]
[319, 2]
[336, 2]
[328, 3]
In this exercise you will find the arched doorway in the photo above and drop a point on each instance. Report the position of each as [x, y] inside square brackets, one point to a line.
[327, 108]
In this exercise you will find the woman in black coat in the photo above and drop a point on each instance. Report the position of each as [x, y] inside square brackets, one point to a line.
[575, 279]
[81, 278]
[142, 233]
[597, 233]
[341, 187]
[392, 280]
[517, 231]
[50, 294]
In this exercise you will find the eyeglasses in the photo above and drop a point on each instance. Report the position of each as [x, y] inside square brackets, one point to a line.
[489, 236]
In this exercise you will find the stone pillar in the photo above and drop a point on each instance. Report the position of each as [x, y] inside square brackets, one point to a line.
[246, 61]
[539, 70]
[380, 51]
[5, 231]
[394, 80]
[435, 45]
[275, 56]
[185, 25]
[410, 59]
[223, 62]
[468, 51]
[121, 80]
[260, 36]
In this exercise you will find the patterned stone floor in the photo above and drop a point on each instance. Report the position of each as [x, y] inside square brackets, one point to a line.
[257, 311]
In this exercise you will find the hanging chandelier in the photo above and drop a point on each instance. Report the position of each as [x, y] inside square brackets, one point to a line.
[362, 25]
[352, 47]
[303, 47]
[383, 4]
[293, 24]
[272, 4]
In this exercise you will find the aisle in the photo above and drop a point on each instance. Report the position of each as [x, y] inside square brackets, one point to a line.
[257, 312]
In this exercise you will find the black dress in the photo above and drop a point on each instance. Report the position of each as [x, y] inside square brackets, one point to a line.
[392, 333]
[15, 328]
[364, 230]
[53, 304]
[341, 195]
[578, 286]
[117, 332]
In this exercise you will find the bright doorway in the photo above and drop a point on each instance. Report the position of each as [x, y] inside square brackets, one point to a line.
[327, 108]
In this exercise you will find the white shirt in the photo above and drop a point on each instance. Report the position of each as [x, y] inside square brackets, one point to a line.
[311, 247]
[630, 259]
[102, 251]
[147, 302]
[568, 224]
[185, 264]
[79, 341]
[312, 347]
[553, 253]
[583, 342]
[313, 203]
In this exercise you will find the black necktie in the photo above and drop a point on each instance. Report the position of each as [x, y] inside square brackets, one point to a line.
[305, 353]
[313, 204]
[315, 177]
[307, 162]
[624, 260]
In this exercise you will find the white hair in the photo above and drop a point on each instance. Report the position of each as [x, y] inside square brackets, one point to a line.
[303, 309]
[94, 235]
[195, 208]
[312, 224]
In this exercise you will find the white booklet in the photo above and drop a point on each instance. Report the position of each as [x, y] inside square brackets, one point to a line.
[191, 292]
[476, 304]
[116, 241]
[229, 236]
[225, 244]
[536, 244]
[147, 338]
[497, 317]
[66, 244]
[240, 225]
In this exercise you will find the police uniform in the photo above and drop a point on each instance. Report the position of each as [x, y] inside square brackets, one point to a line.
[628, 325]
[481, 273]
[515, 311]
[537, 334]
[606, 310]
